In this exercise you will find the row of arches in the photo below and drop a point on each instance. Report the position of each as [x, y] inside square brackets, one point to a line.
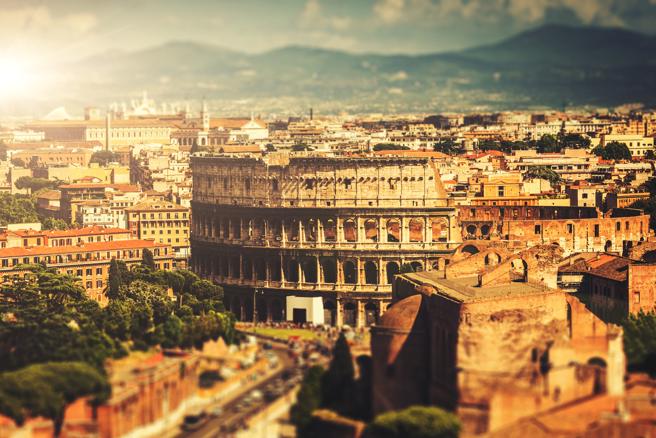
[414, 230]
[306, 269]
[272, 309]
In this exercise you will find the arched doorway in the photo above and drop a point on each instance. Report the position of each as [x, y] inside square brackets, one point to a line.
[371, 230]
[350, 273]
[469, 249]
[391, 269]
[329, 268]
[310, 270]
[471, 231]
[292, 271]
[370, 314]
[492, 259]
[371, 272]
[519, 271]
[417, 266]
[329, 314]
[276, 310]
[598, 366]
[350, 314]
[608, 246]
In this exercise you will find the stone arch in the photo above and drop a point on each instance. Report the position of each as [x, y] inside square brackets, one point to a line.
[350, 314]
[350, 230]
[329, 312]
[235, 265]
[371, 230]
[350, 272]
[258, 229]
[417, 266]
[492, 259]
[391, 270]
[311, 230]
[469, 249]
[247, 268]
[291, 274]
[598, 366]
[439, 230]
[262, 311]
[416, 230]
[329, 269]
[370, 314]
[276, 310]
[274, 185]
[309, 267]
[260, 269]
[371, 272]
[471, 230]
[485, 230]
[393, 227]
[236, 228]
[330, 230]
[293, 230]
[608, 246]
[519, 270]
[275, 270]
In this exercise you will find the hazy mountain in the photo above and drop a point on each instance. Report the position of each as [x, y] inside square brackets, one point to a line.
[546, 66]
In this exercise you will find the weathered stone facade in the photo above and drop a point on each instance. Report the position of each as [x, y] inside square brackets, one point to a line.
[575, 229]
[493, 353]
[335, 227]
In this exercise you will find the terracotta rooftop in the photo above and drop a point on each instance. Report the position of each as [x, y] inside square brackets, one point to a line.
[612, 267]
[84, 247]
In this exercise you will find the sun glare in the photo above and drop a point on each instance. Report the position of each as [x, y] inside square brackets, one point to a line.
[15, 79]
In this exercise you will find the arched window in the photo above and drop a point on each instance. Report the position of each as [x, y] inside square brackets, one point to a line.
[329, 268]
[330, 231]
[371, 230]
[371, 272]
[310, 270]
[350, 230]
[393, 230]
[350, 273]
[392, 269]
[416, 230]
[439, 230]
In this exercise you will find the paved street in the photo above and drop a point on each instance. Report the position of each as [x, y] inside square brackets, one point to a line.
[235, 413]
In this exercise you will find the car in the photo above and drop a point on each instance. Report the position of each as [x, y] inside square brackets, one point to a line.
[267, 346]
[194, 421]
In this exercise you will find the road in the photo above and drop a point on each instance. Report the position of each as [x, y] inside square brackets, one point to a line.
[234, 414]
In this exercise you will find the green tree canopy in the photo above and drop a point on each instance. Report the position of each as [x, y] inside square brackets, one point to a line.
[448, 146]
[640, 342]
[574, 141]
[147, 259]
[307, 401]
[389, 147]
[35, 184]
[47, 389]
[543, 172]
[548, 144]
[414, 422]
[613, 151]
[103, 158]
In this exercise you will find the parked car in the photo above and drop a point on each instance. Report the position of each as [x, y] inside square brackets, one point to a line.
[195, 421]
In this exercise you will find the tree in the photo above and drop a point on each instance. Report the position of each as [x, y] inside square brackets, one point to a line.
[414, 422]
[613, 151]
[640, 342]
[103, 158]
[47, 389]
[338, 381]
[3, 150]
[114, 281]
[35, 184]
[574, 141]
[18, 162]
[308, 400]
[543, 172]
[448, 146]
[548, 144]
[50, 223]
[650, 155]
[389, 147]
[147, 259]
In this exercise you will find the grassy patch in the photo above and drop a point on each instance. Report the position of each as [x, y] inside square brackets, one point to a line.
[284, 333]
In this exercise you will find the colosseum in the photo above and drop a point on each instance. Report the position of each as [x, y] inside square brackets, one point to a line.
[317, 238]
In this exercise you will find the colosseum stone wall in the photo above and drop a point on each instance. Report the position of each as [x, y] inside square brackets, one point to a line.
[338, 228]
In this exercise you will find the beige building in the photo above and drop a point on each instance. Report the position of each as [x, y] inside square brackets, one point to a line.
[163, 222]
[638, 144]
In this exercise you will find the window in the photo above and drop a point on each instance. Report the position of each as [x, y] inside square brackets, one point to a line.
[570, 228]
[78, 272]
[347, 183]
[89, 271]
[618, 226]
[584, 196]
[538, 229]
[596, 230]
[89, 284]
[98, 271]
[502, 191]
[636, 297]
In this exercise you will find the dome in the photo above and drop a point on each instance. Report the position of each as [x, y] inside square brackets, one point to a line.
[403, 314]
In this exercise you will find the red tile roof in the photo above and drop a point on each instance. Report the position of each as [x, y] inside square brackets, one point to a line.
[84, 247]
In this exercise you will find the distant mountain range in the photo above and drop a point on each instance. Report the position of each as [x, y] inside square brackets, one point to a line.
[550, 66]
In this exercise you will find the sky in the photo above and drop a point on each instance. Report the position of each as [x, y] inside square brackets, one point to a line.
[69, 29]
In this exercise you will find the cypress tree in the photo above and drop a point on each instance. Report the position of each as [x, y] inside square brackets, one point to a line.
[114, 281]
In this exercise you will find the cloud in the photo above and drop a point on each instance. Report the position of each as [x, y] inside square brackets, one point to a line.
[82, 22]
[314, 16]
[599, 12]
